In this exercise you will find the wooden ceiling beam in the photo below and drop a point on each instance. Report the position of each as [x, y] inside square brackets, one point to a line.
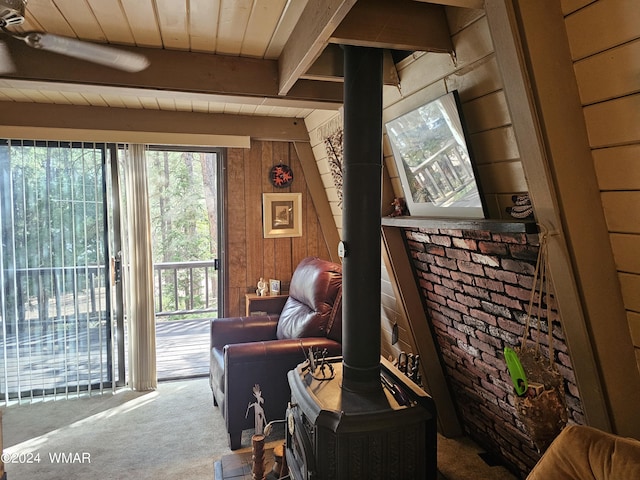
[85, 123]
[396, 25]
[329, 67]
[173, 71]
[309, 38]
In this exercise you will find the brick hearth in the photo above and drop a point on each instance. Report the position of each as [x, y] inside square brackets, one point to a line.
[476, 287]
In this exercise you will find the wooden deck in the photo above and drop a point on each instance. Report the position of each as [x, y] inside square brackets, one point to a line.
[182, 349]
[41, 363]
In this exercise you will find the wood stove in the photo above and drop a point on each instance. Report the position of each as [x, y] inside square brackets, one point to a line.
[335, 434]
[345, 425]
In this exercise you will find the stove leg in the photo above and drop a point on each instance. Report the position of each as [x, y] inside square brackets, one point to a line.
[235, 440]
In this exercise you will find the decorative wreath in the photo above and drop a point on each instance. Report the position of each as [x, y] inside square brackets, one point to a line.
[281, 176]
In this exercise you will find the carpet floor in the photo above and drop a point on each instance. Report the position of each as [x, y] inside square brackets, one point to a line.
[172, 433]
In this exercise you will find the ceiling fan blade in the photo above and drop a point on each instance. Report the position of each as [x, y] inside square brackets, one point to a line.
[91, 52]
[6, 64]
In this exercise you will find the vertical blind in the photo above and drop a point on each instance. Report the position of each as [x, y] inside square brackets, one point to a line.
[55, 326]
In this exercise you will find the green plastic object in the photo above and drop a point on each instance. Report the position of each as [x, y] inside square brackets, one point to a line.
[518, 377]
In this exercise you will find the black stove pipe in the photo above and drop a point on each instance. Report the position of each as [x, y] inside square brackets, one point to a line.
[362, 189]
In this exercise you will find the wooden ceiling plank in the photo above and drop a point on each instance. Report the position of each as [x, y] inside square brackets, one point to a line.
[82, 20]
[183, 105]
[396, 25]
[200, 74]
[172, 17]
[45, 14]
[34, 95]
[75, 98]
[248, 110]
[113, 21]
[216, 107]
[56, 97]
[113, 100]
[309, 37]
[94, 99]
[203, 25]
[232, 25]
[143, 22]
[167, 104]
[287, 23]
[200, 107]
[24, 95]
[263, 21]
[149, 103]
[130, 102]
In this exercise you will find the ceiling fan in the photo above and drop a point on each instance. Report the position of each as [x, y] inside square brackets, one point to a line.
[12, 13]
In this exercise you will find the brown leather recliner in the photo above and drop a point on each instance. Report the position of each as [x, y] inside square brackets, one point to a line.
[246, 351]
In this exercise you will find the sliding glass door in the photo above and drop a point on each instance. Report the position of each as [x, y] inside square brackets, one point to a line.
[55, 308]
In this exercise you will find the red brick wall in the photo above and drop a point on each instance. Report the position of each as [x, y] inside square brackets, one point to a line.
[476, 287]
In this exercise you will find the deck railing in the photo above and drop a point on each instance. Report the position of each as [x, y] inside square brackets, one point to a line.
[182, 289]
[185, 288]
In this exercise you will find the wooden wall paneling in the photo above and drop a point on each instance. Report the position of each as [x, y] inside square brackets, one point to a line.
[413, 101]
[595, 81]
[630, 284]
[270, 245]
[625, 252]
[460, 18]
[400, 272]
[471, 45]
[614, 122]
[616, 22]
[634, 324]
[283, 255]
[236, 231]
[610, 163]
[487, 112]
[304, 246]
[478, 79]
[539, 84]
[495, 145]
[319, 192]
[254, 240]
[569, 6]
[390, 316]
[251, 256]
[502, 177]
[621, 211]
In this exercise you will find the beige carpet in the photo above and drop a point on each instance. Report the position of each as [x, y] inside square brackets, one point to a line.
[173, 433]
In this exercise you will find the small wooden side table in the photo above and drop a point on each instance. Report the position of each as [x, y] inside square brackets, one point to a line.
[266, 304]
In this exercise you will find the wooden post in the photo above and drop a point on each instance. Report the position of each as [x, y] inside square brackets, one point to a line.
[257, 446]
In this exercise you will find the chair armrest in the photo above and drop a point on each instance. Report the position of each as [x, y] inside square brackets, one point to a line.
[266, 364]
[243, 329]
[272, 350]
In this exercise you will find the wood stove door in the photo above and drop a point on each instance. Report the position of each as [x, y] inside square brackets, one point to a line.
[299, 449]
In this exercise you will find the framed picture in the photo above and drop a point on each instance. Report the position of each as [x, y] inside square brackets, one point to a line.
[282, 214]
[435, 162]
[274, 287]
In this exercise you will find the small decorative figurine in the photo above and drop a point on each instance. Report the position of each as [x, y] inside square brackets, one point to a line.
[399, 207]
[263, 288]
[258, 411]
[522, 207]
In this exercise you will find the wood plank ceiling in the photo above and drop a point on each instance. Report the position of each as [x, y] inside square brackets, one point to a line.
[249, 57]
